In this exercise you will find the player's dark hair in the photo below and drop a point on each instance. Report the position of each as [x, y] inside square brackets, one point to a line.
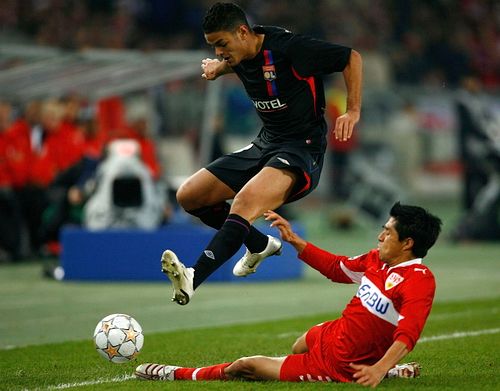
[224, 17]
[416, 223]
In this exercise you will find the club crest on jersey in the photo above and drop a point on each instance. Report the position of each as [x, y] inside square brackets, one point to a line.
[269, 72]
[393, 280]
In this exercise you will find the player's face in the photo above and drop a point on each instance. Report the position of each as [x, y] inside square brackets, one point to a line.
[389, 246]
[230, 46]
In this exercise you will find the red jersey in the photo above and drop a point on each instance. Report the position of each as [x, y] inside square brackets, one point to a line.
[391, 304]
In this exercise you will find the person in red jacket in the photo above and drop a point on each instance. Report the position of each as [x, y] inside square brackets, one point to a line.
[10, 212]
[378, 327]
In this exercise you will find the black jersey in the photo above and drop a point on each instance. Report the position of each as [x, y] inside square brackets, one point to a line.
[285, 85]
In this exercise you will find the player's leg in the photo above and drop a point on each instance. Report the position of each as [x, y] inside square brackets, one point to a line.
[307, 340]
[267, 190]
[305, 168]
[255, 368]
[151, 371]
[198, 191]
[231, 235]
[204, 195]
[203, 189]
[300, 345]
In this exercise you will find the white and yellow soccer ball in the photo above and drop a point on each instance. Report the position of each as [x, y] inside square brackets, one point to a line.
[118, 338]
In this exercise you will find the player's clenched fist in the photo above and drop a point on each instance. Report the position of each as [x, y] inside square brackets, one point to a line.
[212, 68]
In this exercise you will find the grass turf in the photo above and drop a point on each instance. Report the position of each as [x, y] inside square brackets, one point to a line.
[59, 318]
[455, 362]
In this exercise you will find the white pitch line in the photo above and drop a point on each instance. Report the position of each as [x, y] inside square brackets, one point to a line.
[458, 334]
[116, 379]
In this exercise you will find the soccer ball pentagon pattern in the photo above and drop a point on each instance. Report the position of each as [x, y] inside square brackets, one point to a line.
[118, 338]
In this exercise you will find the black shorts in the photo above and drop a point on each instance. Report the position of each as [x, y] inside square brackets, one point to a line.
[237, 168]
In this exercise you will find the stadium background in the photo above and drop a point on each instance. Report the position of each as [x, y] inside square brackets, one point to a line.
[420, 60]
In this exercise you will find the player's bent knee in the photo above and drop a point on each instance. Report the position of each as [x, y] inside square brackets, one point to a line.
[189, 196]
[251, 207]
[300, 346]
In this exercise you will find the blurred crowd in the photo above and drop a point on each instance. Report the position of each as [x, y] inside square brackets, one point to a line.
[51, 149]
[49, 152]
[425, 41]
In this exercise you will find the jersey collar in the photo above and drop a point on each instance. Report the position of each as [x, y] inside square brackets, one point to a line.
[416, 261]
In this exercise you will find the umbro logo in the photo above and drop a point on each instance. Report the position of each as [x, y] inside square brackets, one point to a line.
[209, 254]
[284, 161]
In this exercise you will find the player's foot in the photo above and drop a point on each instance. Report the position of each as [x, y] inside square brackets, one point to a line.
[249, 262]
[407, 370]
[155, 372]
[180, 275]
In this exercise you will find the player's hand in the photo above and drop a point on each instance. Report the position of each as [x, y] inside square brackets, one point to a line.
[344, 125]
[211, 67]
[285, 229]
[281, 223]
[368, 375]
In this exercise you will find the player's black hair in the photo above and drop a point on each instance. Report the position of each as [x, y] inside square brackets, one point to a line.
[224, 17]
[416, 223]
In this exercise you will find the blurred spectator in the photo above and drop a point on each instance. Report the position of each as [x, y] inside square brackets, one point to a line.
[73, 187]
[404, 130]
[455, 35]
[10, 213]
[67, 191]
[479, 141]
[137, 118]
[339, 152]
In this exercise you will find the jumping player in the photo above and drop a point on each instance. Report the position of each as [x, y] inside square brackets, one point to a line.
[379, 326]
[281, 73]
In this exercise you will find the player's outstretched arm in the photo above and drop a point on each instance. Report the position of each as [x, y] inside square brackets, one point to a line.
[286, 231]
[344, 125]
[213, 68]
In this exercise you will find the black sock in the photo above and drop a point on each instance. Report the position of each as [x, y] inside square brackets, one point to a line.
[223, 246]
[214, 216]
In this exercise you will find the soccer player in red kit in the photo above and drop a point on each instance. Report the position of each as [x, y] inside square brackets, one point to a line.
[282, 75]
[378, 327]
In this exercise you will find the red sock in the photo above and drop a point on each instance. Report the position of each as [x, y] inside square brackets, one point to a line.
[214, 372]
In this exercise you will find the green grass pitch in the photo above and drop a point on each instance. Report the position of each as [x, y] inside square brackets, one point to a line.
[466, 361]
[46, 326]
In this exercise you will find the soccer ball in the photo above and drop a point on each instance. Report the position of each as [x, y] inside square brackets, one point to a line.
[118, 338]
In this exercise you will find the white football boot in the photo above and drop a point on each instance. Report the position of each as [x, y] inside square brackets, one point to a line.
[249, 262]
[180, 275]
[155, 372]
[407, 370]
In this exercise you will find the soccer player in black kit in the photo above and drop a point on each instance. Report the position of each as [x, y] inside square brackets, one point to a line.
[281, 73]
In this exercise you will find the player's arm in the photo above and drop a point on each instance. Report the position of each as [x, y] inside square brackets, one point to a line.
[286, 231]
[213, 68]
[353, 77]
[372, 375]
[330, 265]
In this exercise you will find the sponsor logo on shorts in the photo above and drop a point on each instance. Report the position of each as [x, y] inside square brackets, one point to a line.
[244, 148]
[284, 161]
